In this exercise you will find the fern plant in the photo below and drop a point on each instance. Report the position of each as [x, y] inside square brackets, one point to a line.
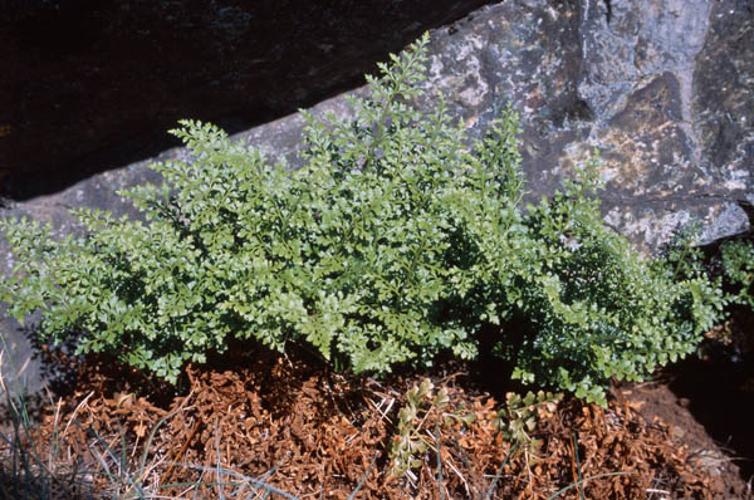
[518, 418]
[410, 443]
[398, 239]
[738, 269]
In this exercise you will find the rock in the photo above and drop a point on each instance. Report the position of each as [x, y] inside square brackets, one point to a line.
[662, 88]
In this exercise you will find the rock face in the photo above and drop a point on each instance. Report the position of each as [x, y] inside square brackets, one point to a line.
[664, 89]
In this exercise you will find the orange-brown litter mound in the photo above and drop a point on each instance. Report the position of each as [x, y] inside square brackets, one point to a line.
[281, 429]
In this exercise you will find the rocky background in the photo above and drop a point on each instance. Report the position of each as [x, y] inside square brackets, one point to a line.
[664, 89]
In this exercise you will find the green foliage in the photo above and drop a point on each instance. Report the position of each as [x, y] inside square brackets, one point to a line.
[518, 418]
[397, 240]
[738, 269]
[594, 308]
[410, 442]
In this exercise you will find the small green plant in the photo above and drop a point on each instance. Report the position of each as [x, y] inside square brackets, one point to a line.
[398, 239]
[738, 269]
[410, 442]
[518, 418]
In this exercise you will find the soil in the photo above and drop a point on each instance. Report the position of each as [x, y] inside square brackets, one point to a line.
[717, 388]
[288, 426]
[658, 403]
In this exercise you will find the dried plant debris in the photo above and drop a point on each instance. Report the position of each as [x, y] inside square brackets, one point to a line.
[284, 430]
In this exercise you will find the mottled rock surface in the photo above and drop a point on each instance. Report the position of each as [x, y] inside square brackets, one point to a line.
[664, 89]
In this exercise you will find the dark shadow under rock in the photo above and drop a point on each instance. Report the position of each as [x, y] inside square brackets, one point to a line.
[93, 85]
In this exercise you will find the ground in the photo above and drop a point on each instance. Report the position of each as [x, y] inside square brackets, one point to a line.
[263, 424]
